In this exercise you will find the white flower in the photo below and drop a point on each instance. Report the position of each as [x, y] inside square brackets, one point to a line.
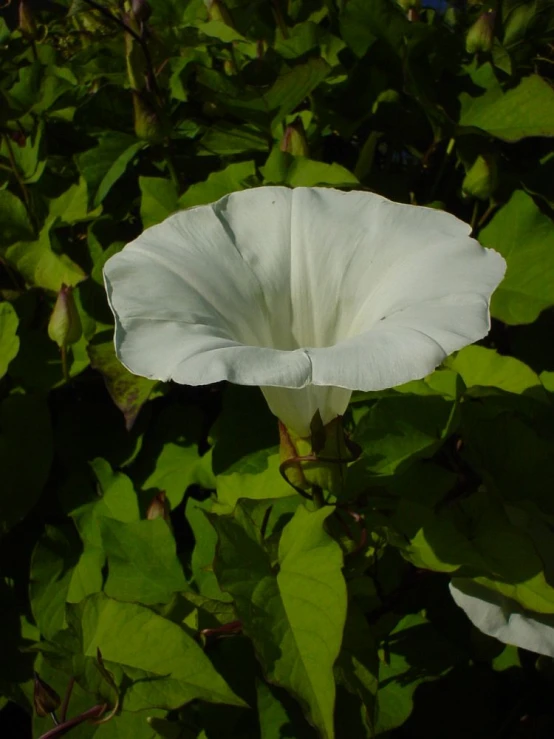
[499, 616]
[309, 293]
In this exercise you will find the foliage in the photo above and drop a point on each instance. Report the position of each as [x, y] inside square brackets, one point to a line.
[245, 612]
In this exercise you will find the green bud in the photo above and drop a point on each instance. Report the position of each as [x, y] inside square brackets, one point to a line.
[518, 22]
[45, 698]
[159, 507]
[481, 178]
[64, 326]
[148, 126]
[27, 24]
[480, 35]
[294, 139]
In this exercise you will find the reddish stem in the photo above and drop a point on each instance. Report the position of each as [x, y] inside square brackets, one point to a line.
[61, 729]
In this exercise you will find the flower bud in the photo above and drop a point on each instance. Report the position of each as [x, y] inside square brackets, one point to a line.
[64, 326]
[27, 24]
[294, 139]
[159, 507]
[45, 698]
[480, 35]
[481, 178]
[141, 10]
[148, 126]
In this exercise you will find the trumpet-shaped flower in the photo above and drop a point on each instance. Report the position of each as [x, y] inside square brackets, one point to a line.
[309, 293]
[499, 616]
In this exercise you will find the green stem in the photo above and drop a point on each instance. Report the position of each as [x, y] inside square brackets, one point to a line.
[279, 19]
[474, 217]
[93, 713]
[65, 368]
[172, 169]
[318, 497]
[440, 173]
[138, 38]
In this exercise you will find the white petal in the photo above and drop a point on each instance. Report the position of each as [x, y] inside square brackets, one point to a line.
[501, 617]
[294, 288]
[296, 408]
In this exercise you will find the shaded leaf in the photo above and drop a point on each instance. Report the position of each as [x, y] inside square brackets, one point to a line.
[142, 563]
[9, 340]
[232, 178]
[525, 110]
[295, 616]
[129, 392]
[525, 238]
[25, 434]
[165, 666]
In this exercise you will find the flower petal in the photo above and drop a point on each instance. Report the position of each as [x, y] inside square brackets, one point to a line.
[296, 408]
[357, 258]
[501, 617]
[293, 288]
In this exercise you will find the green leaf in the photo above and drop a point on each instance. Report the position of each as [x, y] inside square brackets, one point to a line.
[104, 164]
[279, 715]
[483, 367]
[283, 168]
[523, 111]
[169, 459]
[400, 429]
[293, 86]
[129, 392]
[9, 340]
[525, 238]
[225, 139]
[71, 206]
[363, 23]
[159, 200]
[512, 447]
[234, 177]
[38, 365]
[416, 653]
[118, 499]
[41, 266]
[294, 613]
[357, 666]
[205, 540]
[255, 476]
[61, 572]
[142, 564]
[163, 665]
[14, 219]
[21, 441]
[29, 157]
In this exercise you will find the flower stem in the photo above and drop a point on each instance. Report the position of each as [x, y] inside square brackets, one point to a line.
[474, 217]
[63, 728]
[66, 699]
[442, 167]
[279, 19]
[65, 368]
[138, 38]
[317, 497]
[168, 157]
